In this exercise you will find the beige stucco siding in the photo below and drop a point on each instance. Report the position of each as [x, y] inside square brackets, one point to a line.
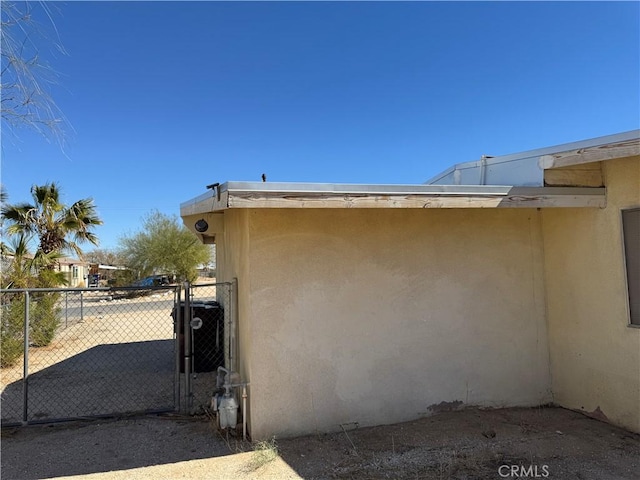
[595, 355]
[232, 265]
[374, 316]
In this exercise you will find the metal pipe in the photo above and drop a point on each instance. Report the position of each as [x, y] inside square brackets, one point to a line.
[244, 412]
[81, 308]
[233, 288]
[221, 380]
[228, 327]
[66, 309]
[483, 170]
[25, 372]
[186, 319]
[176, 346]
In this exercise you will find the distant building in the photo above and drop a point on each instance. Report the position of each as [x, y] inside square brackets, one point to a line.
[76, 272]
[100, 275]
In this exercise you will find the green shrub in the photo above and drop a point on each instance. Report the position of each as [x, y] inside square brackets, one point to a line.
[44, 319]
[12, 332]
[122, 278]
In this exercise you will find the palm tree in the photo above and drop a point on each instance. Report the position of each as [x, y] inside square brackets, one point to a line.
[21, 271]
[58, 228]
[3, 200]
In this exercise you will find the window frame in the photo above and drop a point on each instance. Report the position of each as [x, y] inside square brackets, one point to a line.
[631, 322]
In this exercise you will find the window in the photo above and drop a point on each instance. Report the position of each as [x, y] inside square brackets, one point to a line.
[75, 272]
[631, 232]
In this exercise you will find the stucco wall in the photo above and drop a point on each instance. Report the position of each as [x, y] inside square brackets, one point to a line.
[595, 355]
[233, 263]
[378, 316]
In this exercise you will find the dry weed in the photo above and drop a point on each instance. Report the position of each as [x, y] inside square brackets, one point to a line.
[263, 452]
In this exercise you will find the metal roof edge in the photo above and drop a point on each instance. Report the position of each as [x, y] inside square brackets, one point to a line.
[198, 199]
[239, 188]
[351, 188]
[207, 200]
[565, 147]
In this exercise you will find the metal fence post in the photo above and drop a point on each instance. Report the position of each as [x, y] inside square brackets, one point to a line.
[177, 312]
[186, 325]
[81, 308]
[66, 309]
[25, 373]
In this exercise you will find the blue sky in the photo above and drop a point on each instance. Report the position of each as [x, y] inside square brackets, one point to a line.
[167, 97]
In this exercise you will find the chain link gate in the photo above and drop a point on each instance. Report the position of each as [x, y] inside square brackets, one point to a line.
[78, 353]
[88, 353]
[206, 341]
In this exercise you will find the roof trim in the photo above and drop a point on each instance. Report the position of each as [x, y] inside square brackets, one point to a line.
[608, 151]
[515, 180]
[233, 195]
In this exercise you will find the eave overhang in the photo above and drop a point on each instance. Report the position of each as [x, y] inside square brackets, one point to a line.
[232, 195]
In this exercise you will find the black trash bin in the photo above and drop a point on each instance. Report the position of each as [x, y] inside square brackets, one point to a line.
[207, 336]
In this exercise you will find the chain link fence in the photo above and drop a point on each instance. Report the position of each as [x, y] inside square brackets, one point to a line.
[87, 353]
[78, 353]
[211, 332]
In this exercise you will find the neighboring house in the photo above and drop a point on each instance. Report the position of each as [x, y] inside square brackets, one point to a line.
[101, 275]
[503, 282]
[76, 272]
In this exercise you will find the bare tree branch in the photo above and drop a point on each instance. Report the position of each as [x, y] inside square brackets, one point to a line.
[26, 79]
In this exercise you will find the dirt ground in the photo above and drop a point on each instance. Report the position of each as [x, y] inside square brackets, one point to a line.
[468, 444]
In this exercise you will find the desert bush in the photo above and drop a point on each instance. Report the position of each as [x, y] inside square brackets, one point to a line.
[12, 332]
[122, 278]
[44, 319]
